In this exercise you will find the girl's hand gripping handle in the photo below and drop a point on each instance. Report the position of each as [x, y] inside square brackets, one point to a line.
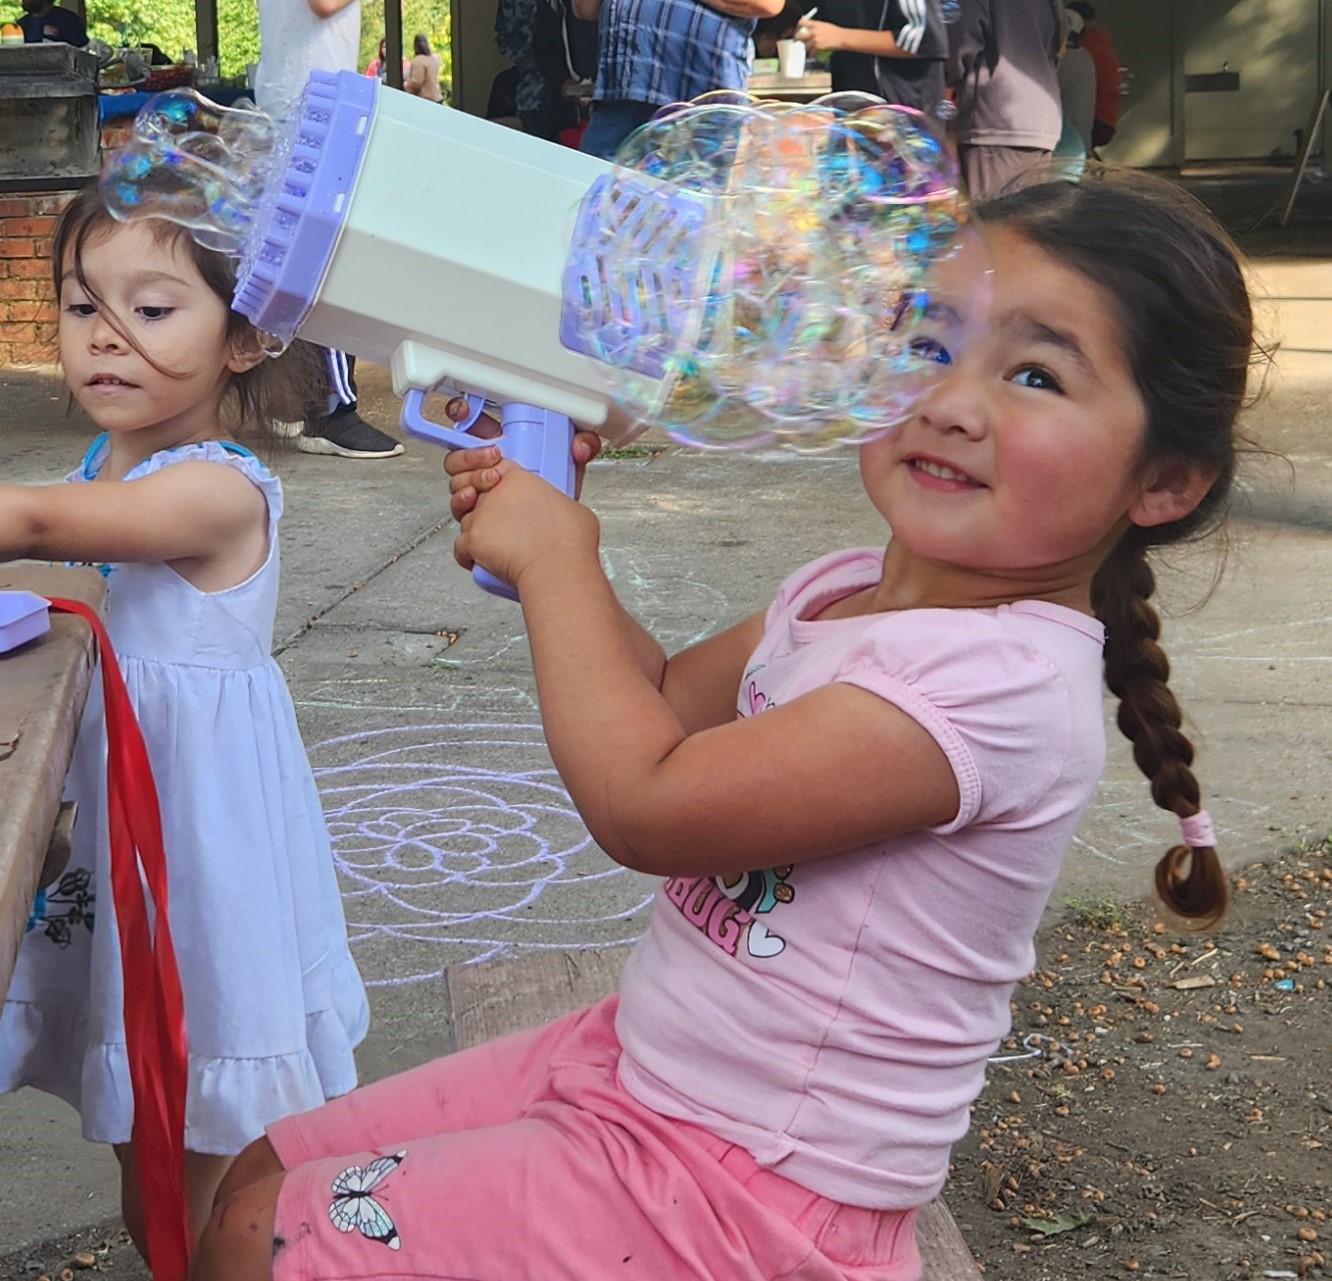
[537, 439]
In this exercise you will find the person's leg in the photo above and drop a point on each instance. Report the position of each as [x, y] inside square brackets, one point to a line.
[584, 1181]
[342, 432]
[203, 1176]
[611, 124]
[239, 1242]
[131, 1206]
[204, 1172]
[255, 1163]
[541, 123]
[574, 1191]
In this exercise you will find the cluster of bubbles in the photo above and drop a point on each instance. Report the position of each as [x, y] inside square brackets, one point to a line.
[757, 273]
[753, 272]
[196, 164]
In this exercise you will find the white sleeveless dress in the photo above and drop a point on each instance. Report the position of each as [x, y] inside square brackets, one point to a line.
[273, 1001]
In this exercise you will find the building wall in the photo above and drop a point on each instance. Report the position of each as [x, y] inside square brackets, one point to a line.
[1276, 50]
[27, 295]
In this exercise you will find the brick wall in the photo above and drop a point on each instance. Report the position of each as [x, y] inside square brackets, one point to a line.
[27, 296]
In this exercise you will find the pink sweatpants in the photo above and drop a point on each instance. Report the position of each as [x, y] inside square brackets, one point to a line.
[523, 1160]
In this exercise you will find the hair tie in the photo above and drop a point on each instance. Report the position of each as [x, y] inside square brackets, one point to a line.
[1197, 831]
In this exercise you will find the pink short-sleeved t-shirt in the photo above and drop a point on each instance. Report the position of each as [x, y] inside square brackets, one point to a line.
[835, 1017]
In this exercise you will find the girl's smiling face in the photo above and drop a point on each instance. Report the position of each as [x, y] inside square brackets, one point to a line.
[1023, 459]
[146, 285]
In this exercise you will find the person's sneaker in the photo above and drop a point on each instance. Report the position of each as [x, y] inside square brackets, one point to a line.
[347, 435]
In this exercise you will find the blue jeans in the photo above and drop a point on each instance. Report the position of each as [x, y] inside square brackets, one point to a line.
[612, 123]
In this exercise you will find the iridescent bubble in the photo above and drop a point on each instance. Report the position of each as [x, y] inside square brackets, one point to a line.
[769, 267]
[950, 10]
[194, 163]
[946, 110]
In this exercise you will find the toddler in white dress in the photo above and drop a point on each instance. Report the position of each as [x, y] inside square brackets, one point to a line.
[184, 521]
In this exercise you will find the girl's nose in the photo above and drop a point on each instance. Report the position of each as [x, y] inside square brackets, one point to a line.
[954, 402]
[103, 335]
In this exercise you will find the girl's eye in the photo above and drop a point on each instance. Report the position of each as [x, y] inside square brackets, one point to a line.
[931, 349]
[1035, 376]
[84, 309]
[155, 313]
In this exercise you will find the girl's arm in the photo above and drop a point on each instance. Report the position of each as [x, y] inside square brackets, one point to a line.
[829, 772]
[699, 683]
[416, 76]
[191, 511]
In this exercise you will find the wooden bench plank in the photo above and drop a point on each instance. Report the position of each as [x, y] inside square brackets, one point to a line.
[43, 686]
[497, 997]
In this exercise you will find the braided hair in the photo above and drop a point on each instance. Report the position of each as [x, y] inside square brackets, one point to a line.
[1183, 308]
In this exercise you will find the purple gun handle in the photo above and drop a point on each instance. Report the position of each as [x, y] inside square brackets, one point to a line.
[535, 438]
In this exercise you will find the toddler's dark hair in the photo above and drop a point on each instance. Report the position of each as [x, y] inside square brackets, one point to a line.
[286, 388]
[1184, 313]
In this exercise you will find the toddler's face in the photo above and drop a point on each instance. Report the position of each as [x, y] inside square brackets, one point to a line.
[149, 291]
[1024, 455]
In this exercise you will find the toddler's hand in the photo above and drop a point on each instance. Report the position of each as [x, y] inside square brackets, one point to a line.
[585, 447]
[515, 519]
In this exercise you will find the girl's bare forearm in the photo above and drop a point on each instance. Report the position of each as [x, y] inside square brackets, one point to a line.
[598, 674]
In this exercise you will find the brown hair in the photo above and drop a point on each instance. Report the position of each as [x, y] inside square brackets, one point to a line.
[286, 388]
[1188, 333]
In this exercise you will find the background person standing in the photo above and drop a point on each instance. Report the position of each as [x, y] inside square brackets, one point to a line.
[894, 49]
[1077, 92]
[1096, 40]
[422, 78]
[1001, 68]
[655, 52]
[297, 37]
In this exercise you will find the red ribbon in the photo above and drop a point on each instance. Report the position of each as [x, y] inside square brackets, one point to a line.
[154, 1008]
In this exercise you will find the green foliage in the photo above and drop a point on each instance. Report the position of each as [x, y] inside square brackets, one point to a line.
[1102, 912]
[169, 24]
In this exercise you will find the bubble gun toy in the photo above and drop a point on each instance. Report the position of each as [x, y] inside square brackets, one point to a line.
[746, 274]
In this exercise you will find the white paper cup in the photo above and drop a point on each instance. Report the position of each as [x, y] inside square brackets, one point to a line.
[791, 58]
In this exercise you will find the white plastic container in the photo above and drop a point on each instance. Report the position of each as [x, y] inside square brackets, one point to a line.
[425, 239]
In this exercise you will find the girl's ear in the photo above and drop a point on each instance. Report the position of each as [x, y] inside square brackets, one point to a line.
[1173, 489]
[245, 351]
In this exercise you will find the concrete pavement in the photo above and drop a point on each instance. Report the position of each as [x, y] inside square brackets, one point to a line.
[455, 841]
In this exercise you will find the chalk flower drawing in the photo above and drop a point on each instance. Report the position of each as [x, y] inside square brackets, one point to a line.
[456, 843]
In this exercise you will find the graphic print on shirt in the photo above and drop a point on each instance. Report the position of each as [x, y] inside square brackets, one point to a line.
[757, 892]
[752, 699]
[726, 909]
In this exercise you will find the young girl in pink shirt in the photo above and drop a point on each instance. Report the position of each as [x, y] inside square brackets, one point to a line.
[858, 801]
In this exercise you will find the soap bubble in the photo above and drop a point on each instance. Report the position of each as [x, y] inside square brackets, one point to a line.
[946, 110]
[768, 267]
[950, 10]
[196, 164]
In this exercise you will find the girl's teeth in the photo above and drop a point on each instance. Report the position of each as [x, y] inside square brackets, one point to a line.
[935, 469]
